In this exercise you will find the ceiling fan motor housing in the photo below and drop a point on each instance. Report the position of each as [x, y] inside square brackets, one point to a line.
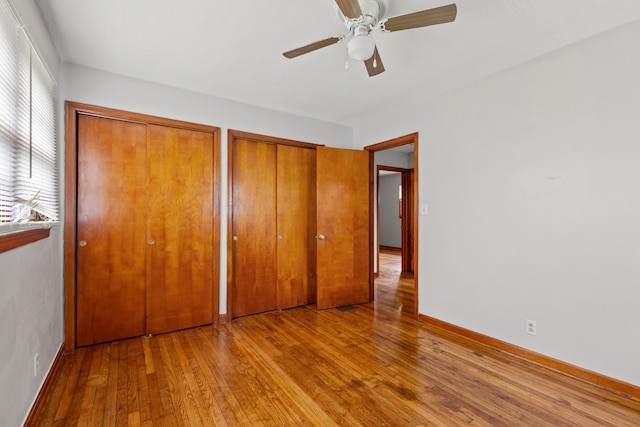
[372, 9]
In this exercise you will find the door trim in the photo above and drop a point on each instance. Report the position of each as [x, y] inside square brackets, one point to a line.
[72, 111]
[404, 233]
[385, 145]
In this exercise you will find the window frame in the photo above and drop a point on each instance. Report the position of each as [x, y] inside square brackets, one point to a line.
[12, 234]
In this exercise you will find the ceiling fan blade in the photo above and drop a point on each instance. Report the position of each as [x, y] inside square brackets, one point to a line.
[350, 8]
[311, 47]
[438, 15]
[374, 64]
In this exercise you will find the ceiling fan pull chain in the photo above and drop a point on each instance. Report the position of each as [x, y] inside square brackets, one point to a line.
[346, 64]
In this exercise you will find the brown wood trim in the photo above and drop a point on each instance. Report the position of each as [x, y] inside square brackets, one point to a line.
[375, 205]
[463, 335]
[72, 110]
[224, 318]
[16, 239]
[215, 312]
[392, 143]
[416, 221]
[111, 113]
[70, 203]
[411, 138]
[406, 207]
[390, 248]
[45, 390]
[237, 134]
[231, 136]
[391, 169]
[372, 199]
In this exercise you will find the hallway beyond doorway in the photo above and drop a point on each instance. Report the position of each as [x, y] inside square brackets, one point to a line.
[391, 286]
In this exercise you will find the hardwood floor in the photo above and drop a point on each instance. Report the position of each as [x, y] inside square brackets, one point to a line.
[372, 365]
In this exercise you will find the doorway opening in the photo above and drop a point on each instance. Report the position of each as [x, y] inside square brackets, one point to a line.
[394, 220]
[394, 208]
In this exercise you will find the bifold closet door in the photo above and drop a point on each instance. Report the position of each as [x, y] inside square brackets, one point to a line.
[296, 224]
[254, 227]
[111, 230]
[180, 229]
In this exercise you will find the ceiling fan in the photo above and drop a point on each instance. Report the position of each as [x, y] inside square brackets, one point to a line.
[361, 17]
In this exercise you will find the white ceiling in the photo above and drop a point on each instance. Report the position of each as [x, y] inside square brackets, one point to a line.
[233, 49]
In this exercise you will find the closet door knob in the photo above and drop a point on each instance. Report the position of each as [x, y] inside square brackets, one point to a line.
[151, 241]
[82, 243]
[321, 236]
[235, 238]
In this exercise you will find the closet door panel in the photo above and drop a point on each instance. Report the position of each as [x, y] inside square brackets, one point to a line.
[343, 227]
[180, 234]
[254, 227]
[296, 219]
[111, 232]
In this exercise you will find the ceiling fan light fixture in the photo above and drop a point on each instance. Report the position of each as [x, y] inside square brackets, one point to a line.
[361, 47]
[362, 17]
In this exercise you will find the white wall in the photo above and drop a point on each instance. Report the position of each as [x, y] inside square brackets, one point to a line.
[30, 322]
[390, 220]
[533, 183]
[30, 286]
[81, 84]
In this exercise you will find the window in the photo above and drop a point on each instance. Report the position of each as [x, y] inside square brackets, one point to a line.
[28, 153]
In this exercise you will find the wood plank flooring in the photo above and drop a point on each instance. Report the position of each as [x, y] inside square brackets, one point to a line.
[373, 365]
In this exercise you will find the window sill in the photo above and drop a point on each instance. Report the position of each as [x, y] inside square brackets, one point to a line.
[16, 239]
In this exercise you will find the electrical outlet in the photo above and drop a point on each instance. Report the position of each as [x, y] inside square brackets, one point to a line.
[531, 327]
[36, 364]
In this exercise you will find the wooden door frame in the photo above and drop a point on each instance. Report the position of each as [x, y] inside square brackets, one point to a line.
[232, 136]
[406, 253]
[408, 236]
[385, 145]
[72, 111]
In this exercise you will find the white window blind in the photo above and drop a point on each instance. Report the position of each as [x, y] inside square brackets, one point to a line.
[28, 153]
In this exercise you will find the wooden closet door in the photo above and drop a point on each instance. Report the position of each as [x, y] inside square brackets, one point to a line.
[254, 227]
[296, 224]
[180, 234]
[343, 227]
[111, 232]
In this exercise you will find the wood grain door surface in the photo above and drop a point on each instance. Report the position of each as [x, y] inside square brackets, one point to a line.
[254, 227]
[343, 227]
[180, 229]
[145, 229]
[296, 225]
[111, 230]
